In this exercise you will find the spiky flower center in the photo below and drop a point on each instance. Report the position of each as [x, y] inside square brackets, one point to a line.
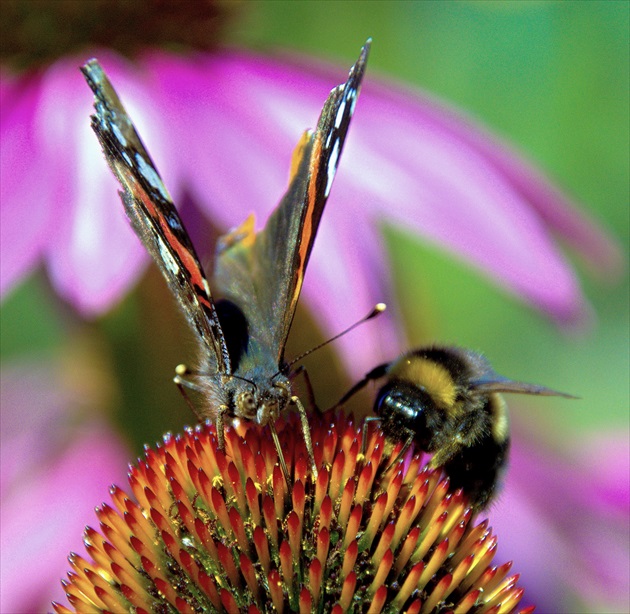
[210, 531]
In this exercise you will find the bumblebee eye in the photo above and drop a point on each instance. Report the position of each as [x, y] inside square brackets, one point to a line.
[403, 406]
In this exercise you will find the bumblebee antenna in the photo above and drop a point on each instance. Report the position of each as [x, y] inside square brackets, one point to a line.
[377, 310]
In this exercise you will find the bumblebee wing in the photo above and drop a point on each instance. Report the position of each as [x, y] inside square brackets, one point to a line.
[263, 273]
[152, 213]
[497, 383]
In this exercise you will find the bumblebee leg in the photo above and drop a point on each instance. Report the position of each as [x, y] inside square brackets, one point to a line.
[283, 464]
[477, 468]
[364, 433]
[470, 432]
[306, 432]
[403, 450]
[447, 452]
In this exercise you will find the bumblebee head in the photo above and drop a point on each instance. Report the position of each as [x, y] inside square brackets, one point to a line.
[404, 407]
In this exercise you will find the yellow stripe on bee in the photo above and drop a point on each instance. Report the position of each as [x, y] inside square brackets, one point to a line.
[500, 422]
[429, 375]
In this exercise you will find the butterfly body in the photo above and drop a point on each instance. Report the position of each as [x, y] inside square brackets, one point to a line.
[258, 276]
[259, 389]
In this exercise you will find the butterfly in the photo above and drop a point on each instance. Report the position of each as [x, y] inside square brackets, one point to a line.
[258, 276]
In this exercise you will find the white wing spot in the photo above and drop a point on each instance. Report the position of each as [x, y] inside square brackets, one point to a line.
[173, 222]
[150, 174]
[340, 111]
[119, 135]
[167, 257]
[332, 167]
[353, 98]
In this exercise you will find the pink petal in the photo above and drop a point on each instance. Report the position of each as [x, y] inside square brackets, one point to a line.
[222, 127]
[608, 457]
[93, 255]
[25, 206]
[232, 156]
[408, 161]
[53, 473]
[44, 517]
[28, 438]
[569, 538]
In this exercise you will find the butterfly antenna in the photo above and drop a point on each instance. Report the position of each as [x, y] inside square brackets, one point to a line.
[378, 309]
[244, 379]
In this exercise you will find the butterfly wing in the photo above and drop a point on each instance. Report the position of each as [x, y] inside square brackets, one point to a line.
[496, 383]
[263, 273]
[153, 215]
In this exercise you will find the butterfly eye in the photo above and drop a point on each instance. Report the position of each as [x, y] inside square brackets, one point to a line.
[246, 402]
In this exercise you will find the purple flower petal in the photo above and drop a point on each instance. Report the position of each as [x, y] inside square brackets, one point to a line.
[52, 474]
[92, 253]
[572, 520]
[408, 161]
[26, 207]
[44, 518]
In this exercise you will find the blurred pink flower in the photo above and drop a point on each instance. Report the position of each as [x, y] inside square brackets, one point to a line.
[566, 521]
[53, 472]
[221, 128]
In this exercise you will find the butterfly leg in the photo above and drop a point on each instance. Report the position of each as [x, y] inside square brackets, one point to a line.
[182, 383]
[306, 432]
[220, 426]
[283, 463]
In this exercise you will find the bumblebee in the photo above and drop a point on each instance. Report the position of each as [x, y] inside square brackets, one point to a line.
[447, 401]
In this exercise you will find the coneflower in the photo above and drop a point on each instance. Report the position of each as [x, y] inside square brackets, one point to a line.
[206, 531]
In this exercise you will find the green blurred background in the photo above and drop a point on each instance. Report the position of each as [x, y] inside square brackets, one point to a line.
[552, 78]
